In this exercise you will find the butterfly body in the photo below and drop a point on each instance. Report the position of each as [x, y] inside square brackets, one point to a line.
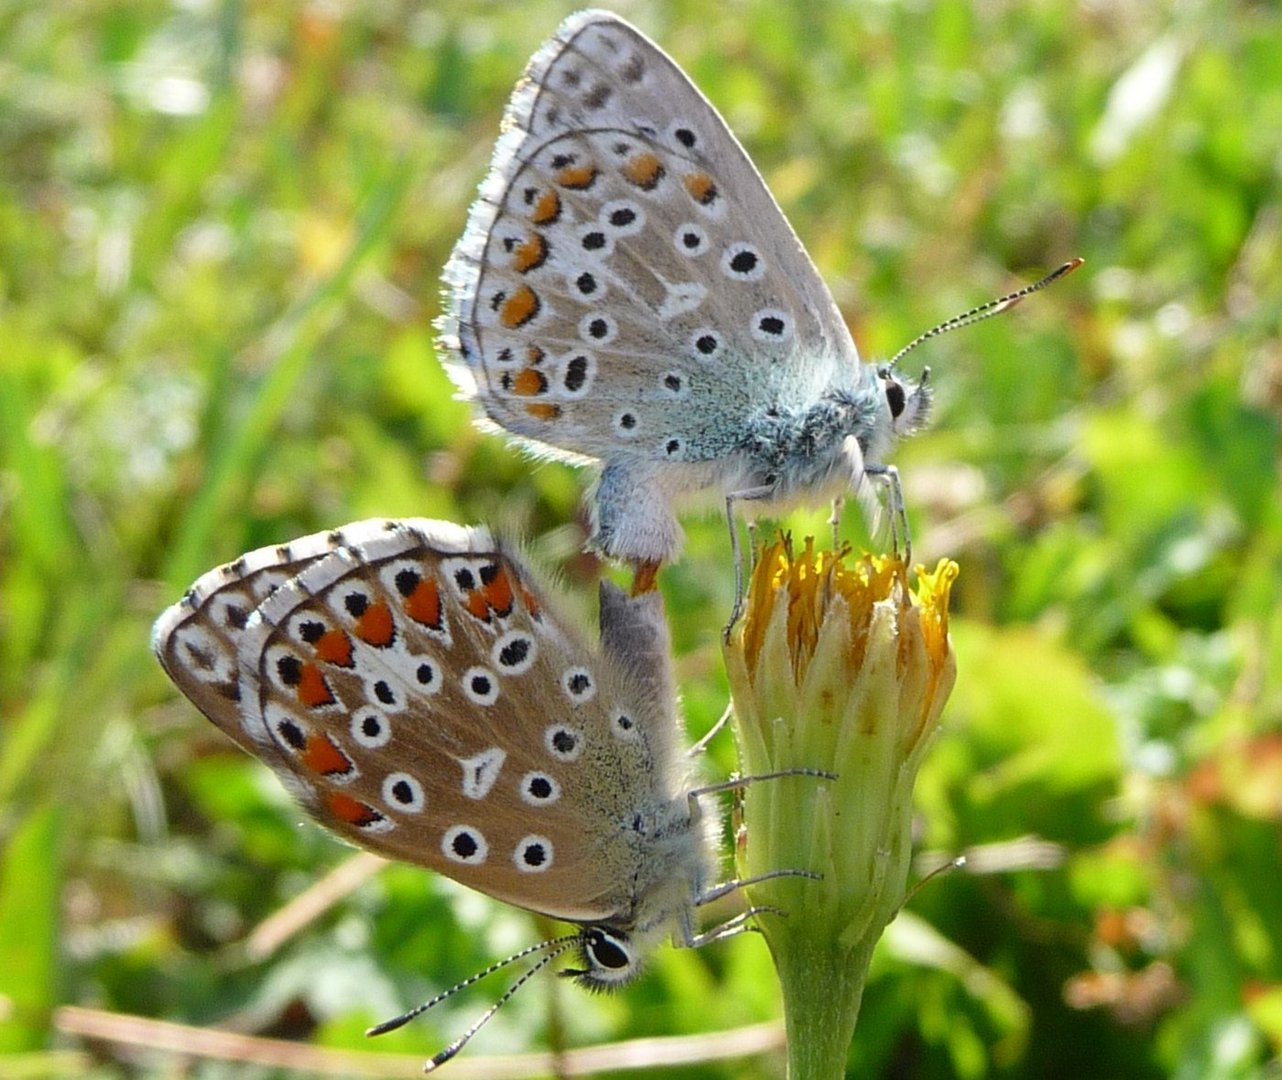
[627, 292]
[414, 690]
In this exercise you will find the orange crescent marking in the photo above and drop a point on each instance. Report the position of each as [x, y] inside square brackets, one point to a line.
[577, 177]
[322, 756]
[530, 255]
[313, 690]
[476, 605]
[354, 812]
[547, 208]
[335, 647]
[498, 594]
[644, 170]
[701, 186]
[529, 382]
[376, 626]
[424, 603]
[519, 308]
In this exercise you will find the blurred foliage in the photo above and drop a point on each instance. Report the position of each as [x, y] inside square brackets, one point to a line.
[221, 229]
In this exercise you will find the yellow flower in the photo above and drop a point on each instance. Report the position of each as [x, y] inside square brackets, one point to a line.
[838, 666]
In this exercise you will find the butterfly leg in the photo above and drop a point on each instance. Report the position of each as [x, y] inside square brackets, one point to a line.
[727, 887]
[900, 537]
[743, 781]
[835, 521]
[762, 492]
[737, 925]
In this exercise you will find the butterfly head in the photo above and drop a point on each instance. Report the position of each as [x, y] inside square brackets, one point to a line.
[611, 958]
[908, 401]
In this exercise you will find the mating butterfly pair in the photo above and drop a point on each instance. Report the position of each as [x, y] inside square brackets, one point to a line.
[628, 292]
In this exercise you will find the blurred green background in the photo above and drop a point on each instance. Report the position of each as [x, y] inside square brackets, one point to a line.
[221, 229]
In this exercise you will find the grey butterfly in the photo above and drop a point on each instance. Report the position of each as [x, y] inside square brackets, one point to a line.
[628, 292]
[413, 688]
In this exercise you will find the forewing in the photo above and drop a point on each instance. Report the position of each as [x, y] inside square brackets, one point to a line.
[626, 283]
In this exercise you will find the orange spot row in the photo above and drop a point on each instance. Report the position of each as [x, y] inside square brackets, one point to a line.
[543, 410]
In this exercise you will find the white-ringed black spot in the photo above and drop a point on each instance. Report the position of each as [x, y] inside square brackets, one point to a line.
[533, 854]
[625, 726]
[771, 325]
[291, 734]
[625, 424]
[578, 684]
[586, 284]
[370, 728]
[685, 137]
[743, 262]
[539, 789]
[465, 844]
[427, 676]
[480, 686]
[673, 447]
[403, 792]
[384, 692]
[594, 240]
[623, 217]
[514, 653]
[675, 384]
[289, 669]
[598, 328]
[578, 369]
[706, 343]
[563, 742]
[690, 239]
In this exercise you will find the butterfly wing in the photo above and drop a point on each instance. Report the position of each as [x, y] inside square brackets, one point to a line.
[417, 696]
[197, 639]
[626, 285]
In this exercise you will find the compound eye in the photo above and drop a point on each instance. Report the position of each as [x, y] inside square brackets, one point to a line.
[607, 953]
[895, 398]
